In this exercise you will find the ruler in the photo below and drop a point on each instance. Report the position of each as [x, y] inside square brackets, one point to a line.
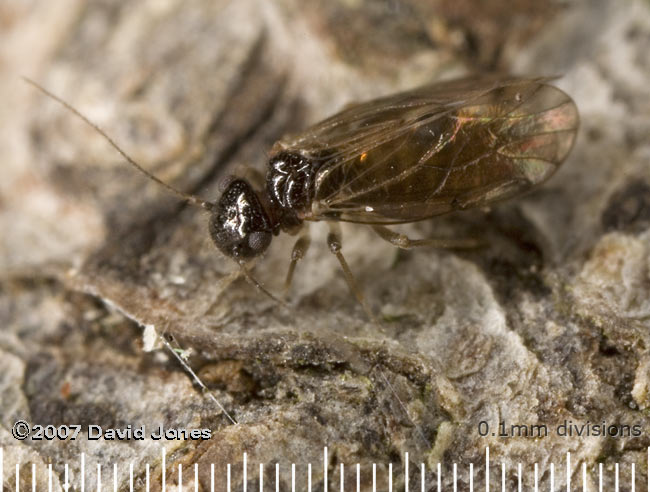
[413, 480]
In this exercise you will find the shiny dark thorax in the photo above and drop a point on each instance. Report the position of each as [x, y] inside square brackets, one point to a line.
[290, 187]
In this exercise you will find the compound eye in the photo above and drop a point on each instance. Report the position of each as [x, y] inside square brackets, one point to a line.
[259, 240]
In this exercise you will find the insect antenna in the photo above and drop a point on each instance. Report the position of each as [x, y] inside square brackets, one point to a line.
[194, 200]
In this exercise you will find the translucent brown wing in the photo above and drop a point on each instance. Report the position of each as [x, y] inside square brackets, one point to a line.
[443, 147]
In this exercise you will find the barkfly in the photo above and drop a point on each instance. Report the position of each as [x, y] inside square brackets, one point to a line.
[403, 158]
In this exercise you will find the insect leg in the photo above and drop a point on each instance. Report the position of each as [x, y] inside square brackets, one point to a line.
[255, 283]
[404, 242]
[298, 253]
[334, 243]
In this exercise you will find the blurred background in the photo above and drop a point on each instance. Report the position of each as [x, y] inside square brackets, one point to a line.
[548, 323]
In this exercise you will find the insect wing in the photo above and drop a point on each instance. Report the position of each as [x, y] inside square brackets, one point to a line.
[360, 127]
[440, 148]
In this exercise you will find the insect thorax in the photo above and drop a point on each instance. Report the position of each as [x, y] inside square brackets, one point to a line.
[290, 187]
